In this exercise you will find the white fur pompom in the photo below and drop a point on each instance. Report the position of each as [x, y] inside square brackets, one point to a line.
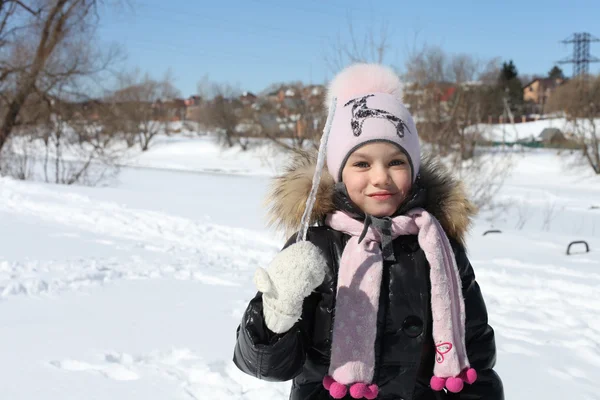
[359, 79]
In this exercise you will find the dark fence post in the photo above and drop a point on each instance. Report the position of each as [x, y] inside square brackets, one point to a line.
[587, 247]
[492, 231]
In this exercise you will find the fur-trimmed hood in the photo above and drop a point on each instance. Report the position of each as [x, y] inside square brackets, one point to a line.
[435, 190]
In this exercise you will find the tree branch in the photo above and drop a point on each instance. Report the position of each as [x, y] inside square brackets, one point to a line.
[27, 8]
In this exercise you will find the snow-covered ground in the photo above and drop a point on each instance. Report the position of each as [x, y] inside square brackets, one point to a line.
[135, 290]
[526, 131]
[203, 155]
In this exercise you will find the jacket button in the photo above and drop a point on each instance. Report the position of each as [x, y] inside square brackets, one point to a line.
[412, 326]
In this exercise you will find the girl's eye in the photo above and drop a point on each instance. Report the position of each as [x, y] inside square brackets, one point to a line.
[361, 164]
[397, 162]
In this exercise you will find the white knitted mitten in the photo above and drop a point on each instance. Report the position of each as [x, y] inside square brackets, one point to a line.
[292, 275]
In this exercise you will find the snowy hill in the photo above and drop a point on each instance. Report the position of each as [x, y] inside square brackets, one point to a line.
[136, 290]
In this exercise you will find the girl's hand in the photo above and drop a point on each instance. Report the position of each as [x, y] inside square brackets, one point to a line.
[292, 275]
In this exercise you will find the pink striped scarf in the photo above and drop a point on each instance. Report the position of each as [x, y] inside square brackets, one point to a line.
[357, 301]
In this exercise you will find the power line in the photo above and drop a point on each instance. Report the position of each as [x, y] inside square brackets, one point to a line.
[190, 47]
[581, 53]
[286, 5]
[225, 25]
[182, 49]
[224, 22]
[152, 47]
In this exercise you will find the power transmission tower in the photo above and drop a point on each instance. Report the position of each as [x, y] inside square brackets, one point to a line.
[581, 53]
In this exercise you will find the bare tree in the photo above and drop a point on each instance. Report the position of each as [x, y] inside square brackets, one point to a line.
[142, 106]
[312, 117]
[71, 141]
[450, 97]
[484, 174]
[37, 39]
[549, 213]
[16, 159]
[523, 215]
[79, 142]
[224, 112]
[372, 46]
[297, 122]
[579, 100]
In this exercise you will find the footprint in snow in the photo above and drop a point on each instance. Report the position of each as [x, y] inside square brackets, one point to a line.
[112, 371]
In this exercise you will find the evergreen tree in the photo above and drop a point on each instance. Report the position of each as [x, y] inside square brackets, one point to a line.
[508, 72]
[556, 73]
[510, 83]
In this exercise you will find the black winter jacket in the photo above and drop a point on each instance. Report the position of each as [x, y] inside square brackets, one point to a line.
[404, 348]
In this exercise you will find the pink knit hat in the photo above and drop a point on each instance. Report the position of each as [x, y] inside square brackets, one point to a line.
[369, 109]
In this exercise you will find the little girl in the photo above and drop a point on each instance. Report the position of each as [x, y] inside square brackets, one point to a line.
[380, 301]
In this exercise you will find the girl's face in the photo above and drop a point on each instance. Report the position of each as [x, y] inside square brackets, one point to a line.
[378, 178]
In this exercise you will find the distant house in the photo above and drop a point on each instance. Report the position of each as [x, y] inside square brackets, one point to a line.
[291, 110]
[314, 95]
[292, 104]
[284, 92]
[193, 101]
[170, 109]
[269, 122]
[446, 94]
[275, 97]
[90, 109]
[418, 97]
[193, 111]
[539, 90]
[312, 91]
[248, 98]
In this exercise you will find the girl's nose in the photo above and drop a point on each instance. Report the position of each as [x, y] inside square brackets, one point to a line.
[380, 177]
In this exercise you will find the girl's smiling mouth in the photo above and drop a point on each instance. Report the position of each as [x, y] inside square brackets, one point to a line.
[381, 195]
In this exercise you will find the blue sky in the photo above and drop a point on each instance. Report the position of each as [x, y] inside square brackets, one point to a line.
[253, 43]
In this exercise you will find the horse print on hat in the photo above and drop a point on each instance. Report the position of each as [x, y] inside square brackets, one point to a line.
[361, 111]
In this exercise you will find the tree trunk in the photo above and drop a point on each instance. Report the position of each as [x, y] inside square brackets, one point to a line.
[51, 35]
[144, 141]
